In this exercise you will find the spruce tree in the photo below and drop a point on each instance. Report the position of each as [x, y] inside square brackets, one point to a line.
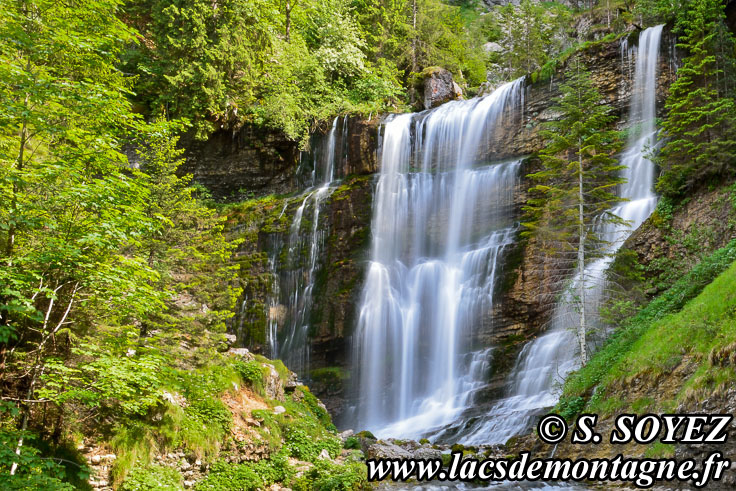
[576, 185]
[700, 129]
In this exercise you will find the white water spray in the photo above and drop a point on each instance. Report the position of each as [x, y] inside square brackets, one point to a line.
[442, 218]
[544, 363]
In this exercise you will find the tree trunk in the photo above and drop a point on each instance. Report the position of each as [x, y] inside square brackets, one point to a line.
[414, 37]
[288, 21]
[581, 263]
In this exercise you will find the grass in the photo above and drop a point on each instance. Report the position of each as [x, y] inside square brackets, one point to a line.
[693, 320]
[659, 450]
[200, 427]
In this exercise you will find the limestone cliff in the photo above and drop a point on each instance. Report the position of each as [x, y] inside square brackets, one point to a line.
[265, 163]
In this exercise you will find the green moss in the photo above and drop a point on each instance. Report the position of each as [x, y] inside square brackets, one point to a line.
[640, 405]
[607, 406]
[659, 450]
[365, 434]
[329, 375]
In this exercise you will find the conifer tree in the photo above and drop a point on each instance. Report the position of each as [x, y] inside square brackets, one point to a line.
[700, 129]
[576, 185]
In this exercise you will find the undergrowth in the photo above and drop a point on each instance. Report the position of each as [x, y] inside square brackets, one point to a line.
[656, 340]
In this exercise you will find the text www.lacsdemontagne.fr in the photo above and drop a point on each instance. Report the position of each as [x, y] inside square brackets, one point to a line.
[642, 473]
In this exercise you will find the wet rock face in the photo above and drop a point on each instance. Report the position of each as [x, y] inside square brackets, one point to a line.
[525, 285]
[265, 227]
[612, 73]
[439, 87]
[234, 165]
[253, 162]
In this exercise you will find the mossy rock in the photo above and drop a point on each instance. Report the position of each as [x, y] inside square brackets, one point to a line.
[366, 435]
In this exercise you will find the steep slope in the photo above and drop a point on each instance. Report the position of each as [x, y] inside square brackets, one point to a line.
[677, 354]
[243, 424]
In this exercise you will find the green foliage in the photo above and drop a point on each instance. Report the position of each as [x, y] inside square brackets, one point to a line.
[202, 390]
[285, 65]
[660, 11]
[200, 426]
[248, 476]
[316, 407]
[224, 475]
[580, 148]
[531, 34]
[570, 407]
[234, 64]
[648, 340]
[302, 442]
[700, 129]
[108, 382]
[252, 374]
[352, 443]
[577, 184]
[153, 477]
[110, 271]
[34, 471]
[327, 476]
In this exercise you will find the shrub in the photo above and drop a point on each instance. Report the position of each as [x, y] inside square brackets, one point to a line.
[327, 476]
[154, 477]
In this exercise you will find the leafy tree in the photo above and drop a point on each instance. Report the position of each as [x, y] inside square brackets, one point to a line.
[70, 205]
[653, 11]
[197, 61]
[700, 128]
[91, 246]
[527, 34]
[441, 39]
[386, 27]
[186, 248]
[577, 185]
[532, 32]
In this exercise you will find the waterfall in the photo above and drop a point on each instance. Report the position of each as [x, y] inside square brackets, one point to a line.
[443, 215]
[295, 274]
[544, 363]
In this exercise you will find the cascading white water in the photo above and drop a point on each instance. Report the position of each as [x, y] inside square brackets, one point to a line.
[545, 362]
[294, 281]
[442, 218]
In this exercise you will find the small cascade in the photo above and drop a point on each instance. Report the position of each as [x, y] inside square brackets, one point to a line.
[443, 216]
[544, 363]
[295, 273]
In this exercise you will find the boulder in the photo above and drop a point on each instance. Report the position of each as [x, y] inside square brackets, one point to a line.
[492, 48]
[345, 435]
[273, 386]
[427, 452]
[439, 87]
[241, 353]
[387, 450]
